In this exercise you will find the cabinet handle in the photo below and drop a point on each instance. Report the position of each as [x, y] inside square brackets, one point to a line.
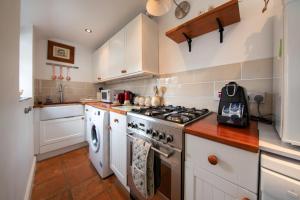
[212, 159]
[109, 127]
[82, 118]
[245, 198]
[27, 110]
[116, 120]
[99, 78]
[124, 71]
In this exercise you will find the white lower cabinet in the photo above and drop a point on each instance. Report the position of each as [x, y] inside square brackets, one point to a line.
[59, 133]
[203, 185]
[233, 177]
[118, 146]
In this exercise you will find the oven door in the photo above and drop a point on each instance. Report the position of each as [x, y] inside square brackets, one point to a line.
[167, 170]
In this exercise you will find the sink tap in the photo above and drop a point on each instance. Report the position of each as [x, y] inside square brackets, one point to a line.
[61, 93]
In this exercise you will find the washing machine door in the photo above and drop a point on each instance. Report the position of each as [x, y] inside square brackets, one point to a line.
[95, 139]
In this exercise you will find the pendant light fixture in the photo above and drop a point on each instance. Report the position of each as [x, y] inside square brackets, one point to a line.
[161, 7]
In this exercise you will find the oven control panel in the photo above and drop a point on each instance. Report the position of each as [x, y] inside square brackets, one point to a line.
[156, 131]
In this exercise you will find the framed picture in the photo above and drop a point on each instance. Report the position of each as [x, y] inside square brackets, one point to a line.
[60, 52]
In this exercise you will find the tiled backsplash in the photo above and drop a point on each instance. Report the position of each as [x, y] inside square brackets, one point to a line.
[197, 88]
[73, 91]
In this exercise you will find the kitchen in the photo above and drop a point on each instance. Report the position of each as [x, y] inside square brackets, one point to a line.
[153, 99]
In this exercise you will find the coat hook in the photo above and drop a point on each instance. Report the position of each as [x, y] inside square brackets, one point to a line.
[266, 6]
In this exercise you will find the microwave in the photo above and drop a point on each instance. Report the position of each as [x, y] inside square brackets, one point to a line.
[108, 96]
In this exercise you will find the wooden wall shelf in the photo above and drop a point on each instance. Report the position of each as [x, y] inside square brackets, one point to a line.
[215, 19]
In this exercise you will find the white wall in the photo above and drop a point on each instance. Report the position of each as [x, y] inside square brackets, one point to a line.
[26, 60]
[83, 60]
[16, 143]
[247, 40]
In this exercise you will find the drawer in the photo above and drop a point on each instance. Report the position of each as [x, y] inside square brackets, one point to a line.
[235, 165]
[282, 165]
[277, 186]
[118, 121]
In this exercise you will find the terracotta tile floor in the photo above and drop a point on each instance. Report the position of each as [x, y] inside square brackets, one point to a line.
[72, 176]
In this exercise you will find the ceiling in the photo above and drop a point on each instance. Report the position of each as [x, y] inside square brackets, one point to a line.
[67, 19]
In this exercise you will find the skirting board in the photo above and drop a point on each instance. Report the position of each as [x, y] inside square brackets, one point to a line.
[30, 180]
[60, 151]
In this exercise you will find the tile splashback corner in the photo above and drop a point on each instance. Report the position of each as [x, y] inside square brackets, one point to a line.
[197, 88]
[73, 91]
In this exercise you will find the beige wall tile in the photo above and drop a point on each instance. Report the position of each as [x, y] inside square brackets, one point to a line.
[190, 90]
[262, 68]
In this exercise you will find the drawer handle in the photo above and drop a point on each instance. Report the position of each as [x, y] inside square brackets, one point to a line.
[99, 78]
[124, 71]
[245, 198]
[116, 120]
[212, 159]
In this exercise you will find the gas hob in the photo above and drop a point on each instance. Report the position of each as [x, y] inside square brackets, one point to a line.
[173, 114]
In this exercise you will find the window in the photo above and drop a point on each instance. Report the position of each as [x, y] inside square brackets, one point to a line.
[26, 62]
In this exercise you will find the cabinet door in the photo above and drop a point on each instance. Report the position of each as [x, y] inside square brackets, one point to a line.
[104, 64]
[96, 65]
[59, 133]
[117, 51]
[118, 147]
[133, 45]
[203, 185]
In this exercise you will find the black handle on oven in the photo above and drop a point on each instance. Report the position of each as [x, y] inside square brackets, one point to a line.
[167, 155]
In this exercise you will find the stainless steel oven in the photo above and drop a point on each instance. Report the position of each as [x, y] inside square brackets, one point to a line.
[168, 157]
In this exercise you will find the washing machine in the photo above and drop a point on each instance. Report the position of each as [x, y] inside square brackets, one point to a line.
[99, 142]
[89, 112]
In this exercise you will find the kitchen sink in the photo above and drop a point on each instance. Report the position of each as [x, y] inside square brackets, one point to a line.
[57, 111]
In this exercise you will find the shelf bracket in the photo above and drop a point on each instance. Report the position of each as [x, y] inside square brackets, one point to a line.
[221, 29]
[189, 41]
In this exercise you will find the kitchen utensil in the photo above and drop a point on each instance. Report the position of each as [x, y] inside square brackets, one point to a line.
[53, 77]
[61, 77]
[155, 100]
[148, 101]
[142, 101]
[68, 77]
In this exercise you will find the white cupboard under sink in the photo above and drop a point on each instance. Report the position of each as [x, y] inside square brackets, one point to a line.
[57, 127]
[59, 133]
[133, 51]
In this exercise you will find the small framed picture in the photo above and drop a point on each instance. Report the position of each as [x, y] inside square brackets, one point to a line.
[60, 52]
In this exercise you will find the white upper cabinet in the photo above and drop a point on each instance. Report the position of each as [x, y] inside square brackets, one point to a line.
[133, 51]
[133, 48]
[96, 64]
[104, 62]
[116, 52]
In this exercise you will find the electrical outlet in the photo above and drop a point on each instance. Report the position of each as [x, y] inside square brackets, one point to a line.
[252, 94]
[217, 95]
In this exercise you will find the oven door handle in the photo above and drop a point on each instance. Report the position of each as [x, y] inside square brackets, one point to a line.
[167, 155]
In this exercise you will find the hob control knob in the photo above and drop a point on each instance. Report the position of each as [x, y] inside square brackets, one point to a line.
[134, 126]
[161, 136]
[149, 131]
[130, 124]
[169, 138]
[154, 133]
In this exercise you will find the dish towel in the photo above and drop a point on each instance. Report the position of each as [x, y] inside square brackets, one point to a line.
[142, 167]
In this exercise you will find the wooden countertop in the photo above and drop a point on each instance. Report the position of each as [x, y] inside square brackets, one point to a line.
[106, 106]
[96, 104]
[243, 138]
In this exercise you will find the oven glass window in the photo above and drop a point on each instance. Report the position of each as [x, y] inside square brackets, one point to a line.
[163, 185]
